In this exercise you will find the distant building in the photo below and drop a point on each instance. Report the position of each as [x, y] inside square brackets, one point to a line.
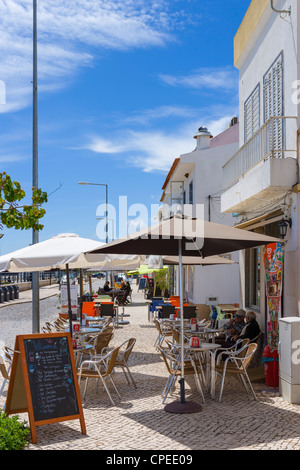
[196, 178]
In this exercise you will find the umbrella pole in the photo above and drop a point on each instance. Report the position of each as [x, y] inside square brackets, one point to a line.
[69, 299]
[81, 295]
[182, 406]
[182, 386]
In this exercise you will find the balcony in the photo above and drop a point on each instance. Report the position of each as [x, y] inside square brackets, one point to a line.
[263, 169]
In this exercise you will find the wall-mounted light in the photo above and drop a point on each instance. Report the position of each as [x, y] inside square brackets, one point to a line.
[187, 175]
[283, 226]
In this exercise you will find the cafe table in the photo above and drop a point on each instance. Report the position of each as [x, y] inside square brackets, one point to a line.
[208, 348]
[98, 320]
[227, 308]
[114, 292]
[122, 315]
[83, 330]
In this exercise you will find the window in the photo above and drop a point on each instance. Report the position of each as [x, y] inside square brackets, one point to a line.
[176, 198]
[273, 102]
[191, 193]
[252, 113]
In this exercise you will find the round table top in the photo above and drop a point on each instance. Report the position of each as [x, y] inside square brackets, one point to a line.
[95, 318]
[203, 346]
[84, 329]
[82, 348]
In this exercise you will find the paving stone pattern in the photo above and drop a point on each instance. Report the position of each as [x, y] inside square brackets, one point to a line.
[139, 421]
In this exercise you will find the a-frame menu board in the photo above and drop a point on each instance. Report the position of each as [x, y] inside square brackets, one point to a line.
[43, 381]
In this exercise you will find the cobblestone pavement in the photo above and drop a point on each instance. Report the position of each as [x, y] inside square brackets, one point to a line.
[139, 421]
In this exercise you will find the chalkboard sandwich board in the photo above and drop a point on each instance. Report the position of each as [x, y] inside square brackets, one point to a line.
[142, 283]
[43, 381]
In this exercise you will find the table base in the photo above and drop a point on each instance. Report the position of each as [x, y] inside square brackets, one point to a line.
[183, 408]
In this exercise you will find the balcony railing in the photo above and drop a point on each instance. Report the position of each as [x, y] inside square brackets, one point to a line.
[277, 138]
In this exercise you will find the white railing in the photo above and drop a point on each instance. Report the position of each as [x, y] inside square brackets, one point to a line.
[277, 138]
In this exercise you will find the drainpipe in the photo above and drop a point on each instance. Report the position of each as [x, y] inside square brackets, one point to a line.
[298, 167]
[280, 11]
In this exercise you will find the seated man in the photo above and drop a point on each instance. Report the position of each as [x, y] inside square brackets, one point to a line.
[251, 329]
[233, 328]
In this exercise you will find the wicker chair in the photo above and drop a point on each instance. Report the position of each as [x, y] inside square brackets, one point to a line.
[236, 364]
[5, 358]
[163, 332]
[123, 358]
[173, 365]
[99, 368]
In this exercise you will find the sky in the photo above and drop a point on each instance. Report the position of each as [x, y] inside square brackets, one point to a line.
[123, 87]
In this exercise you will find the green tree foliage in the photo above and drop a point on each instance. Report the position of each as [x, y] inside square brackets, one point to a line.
[162, 280]
[15, 214]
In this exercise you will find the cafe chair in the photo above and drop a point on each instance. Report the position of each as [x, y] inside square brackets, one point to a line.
[163, 332]
[166, 310]
[99, 343]
[236, 363]
[108, 310]
[5, 358]
[199, 360]
[173, 364]
[122, 299]
[123, 358]
[88, 308]
[4, 373]
[99, 368]
[58, 326]
[129, 296]
[50, 327]
[156, 302]
[189, 312]
[175, 332]
[62, 322]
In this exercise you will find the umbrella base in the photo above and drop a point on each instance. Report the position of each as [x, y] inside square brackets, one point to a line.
[183, 408]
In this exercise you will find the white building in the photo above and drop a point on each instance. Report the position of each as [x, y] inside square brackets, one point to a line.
[261, 181]
[196, 178]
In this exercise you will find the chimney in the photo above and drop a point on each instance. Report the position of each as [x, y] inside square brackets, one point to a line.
[234, 121]
[203, 137]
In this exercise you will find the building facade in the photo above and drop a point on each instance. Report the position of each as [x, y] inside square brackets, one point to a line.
[195, 179]
[261, 181]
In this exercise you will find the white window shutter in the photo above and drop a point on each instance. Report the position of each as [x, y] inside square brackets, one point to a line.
[273, 104]
[252, 114]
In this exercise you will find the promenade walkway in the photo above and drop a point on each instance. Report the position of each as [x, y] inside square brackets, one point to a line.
[139, 422]
[26, 295]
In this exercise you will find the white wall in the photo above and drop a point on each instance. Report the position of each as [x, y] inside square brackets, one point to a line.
[277, 35]
[220, 281]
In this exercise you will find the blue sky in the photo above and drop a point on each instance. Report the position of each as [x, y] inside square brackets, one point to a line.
[123, 87]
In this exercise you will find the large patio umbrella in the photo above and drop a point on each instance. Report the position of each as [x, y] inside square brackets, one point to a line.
[196, 260]
[183, 236]
[64, 251]
[120, 263]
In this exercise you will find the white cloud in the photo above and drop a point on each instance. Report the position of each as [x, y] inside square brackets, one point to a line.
[213, 78]
[100, 145]
[161, 112]
[155, 150]
[69, 34]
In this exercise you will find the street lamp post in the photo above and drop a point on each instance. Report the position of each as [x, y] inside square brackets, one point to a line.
[35, 234]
